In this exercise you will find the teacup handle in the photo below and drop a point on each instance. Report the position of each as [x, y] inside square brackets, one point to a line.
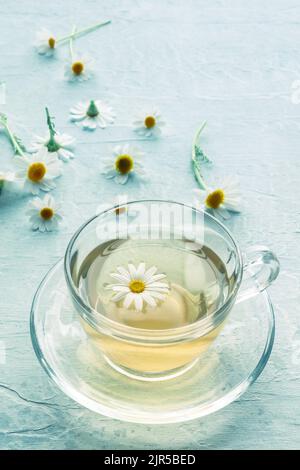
[261, 268]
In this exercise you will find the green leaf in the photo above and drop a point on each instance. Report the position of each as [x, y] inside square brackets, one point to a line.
[200, 156]
[20, 144]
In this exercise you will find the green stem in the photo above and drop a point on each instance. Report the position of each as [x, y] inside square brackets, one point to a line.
[11, 136]
[81, 32]
[52, 144]
[196, 166]
[92, 109]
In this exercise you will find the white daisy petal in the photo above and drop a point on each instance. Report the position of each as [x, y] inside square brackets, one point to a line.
[149, 299]
[150, 272]
[65, 155]
[120, 277]
[157, 284]
[158, 295]
[128, 300]
[110, 174]
[138, 300]
[140, 270]
[118, 296]
[119, 288]
[132, 271]
[124, 272]
[121, 179]
[222, 212]
[157, 277]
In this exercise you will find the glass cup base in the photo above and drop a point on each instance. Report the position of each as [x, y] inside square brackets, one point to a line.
[150, 376]
[222, 374]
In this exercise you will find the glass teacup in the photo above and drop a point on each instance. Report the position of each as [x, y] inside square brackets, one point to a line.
[188, 268]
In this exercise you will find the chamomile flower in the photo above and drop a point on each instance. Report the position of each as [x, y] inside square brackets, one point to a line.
[91, 114]
[221, 199]
[136, 285]
[149, 124]
[45, 43]
[6, 178]
[124, 164]
[58, 145]
[44, 214]
[79, 69]
[38, 171]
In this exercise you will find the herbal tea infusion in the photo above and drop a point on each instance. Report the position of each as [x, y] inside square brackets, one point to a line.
[153, 304]
[153, 285]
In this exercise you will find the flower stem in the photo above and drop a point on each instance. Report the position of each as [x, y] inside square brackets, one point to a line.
[92, 109]
[71, 37]
[81, 32]
[52, 145]
[16, 146]
[196, 166]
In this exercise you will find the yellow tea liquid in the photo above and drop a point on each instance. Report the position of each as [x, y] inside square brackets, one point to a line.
[198, 284]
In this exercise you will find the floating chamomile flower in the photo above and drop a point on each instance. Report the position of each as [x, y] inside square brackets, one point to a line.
[126, 163]
[221, 199]
[44, 214]
[45, 42]
[138, 286]
[6, 178]
[91, 114]
[38, 171]
[58, 145]
[149, 125]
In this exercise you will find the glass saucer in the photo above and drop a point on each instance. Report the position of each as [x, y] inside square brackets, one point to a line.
[221, 375]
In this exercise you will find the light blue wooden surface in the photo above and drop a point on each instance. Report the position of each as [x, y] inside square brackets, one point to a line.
[230, 62]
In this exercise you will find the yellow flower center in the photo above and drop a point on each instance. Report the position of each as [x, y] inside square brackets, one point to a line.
[136, 286]
[149, 122]
[36, 172]
[215, 199]
[77, 68]
[51, 43]
[46, 213]
[124, 164]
